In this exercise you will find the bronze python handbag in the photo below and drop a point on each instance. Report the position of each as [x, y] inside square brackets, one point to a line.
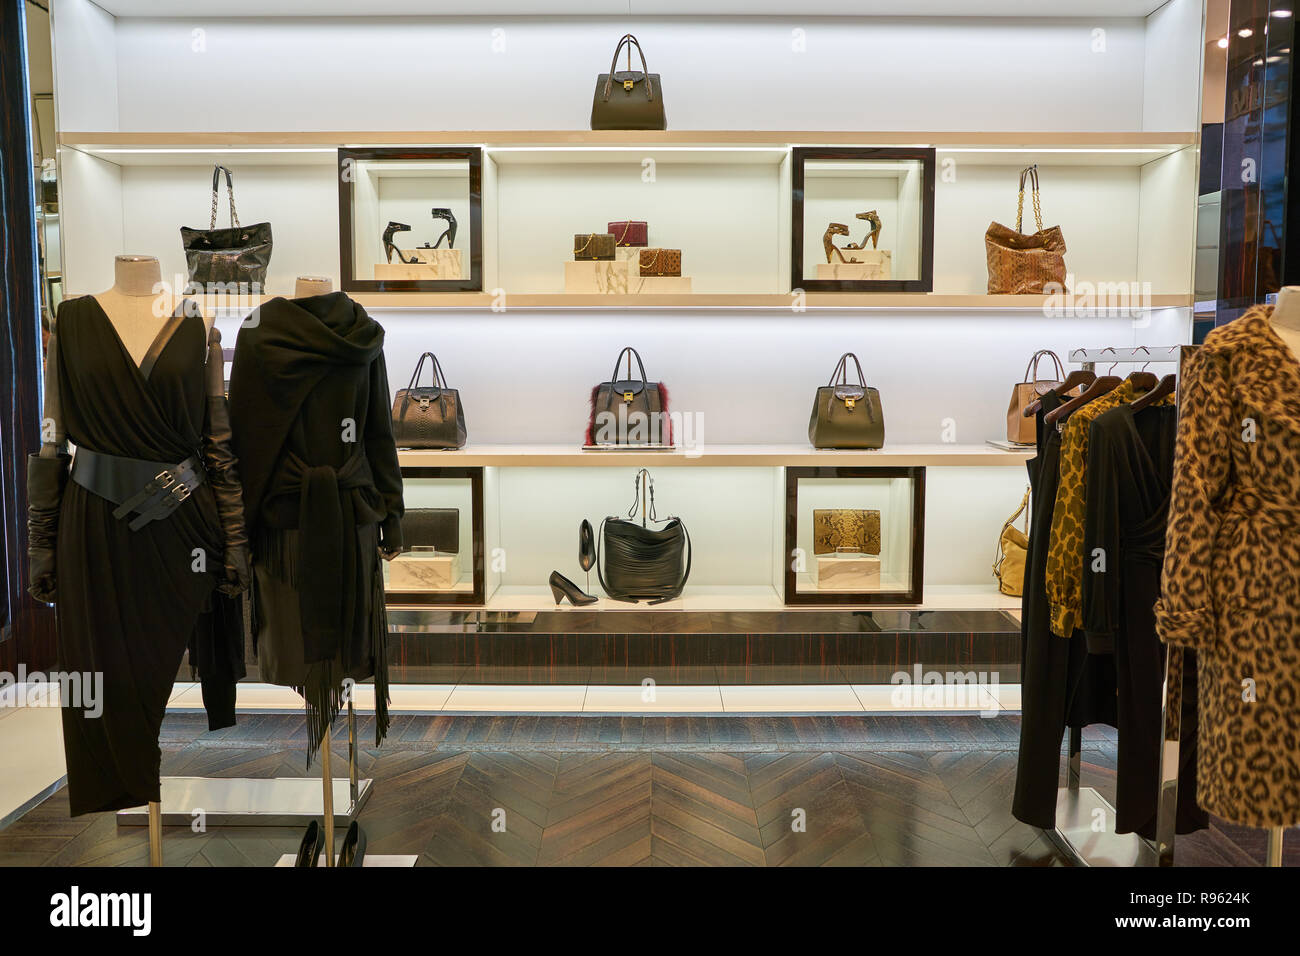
[1022, 430]
[631, 99]
[661, 262]
[428, 416]
[593, 246]
[1022, 264]
[846, 529]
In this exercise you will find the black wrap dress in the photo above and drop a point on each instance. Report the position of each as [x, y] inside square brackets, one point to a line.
[128, 601]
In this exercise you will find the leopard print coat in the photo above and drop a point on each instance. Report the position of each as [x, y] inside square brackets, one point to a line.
[1231, 584]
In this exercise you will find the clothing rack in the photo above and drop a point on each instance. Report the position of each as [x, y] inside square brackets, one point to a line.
[1078, 808]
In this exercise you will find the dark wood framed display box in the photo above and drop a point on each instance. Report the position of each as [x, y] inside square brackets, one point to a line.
[881, 567]
[445, 487]
[885, 194]
[435, 194]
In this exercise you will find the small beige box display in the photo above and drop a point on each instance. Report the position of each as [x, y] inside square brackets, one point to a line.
[424, 571]
[432, 264]
[872, 264]
[848, 572]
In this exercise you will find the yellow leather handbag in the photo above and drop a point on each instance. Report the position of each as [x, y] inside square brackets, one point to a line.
[1013, 546]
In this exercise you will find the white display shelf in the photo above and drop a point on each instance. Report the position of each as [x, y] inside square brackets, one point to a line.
[713, 456]
[309, 147]
[523, 598]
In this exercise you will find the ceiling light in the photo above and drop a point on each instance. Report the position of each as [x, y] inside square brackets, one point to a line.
[1245, 33]
[1281, 13]
[1223, 43]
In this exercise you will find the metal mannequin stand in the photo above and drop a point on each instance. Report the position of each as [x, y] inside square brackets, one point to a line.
[250, 801]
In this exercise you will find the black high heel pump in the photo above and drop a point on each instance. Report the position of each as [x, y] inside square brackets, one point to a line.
[389, 248]
[354, 846]
[313, 844]
[586, 549]
[450, 232]
[562, 587]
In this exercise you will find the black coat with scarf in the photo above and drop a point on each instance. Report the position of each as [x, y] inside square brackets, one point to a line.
[309, 406]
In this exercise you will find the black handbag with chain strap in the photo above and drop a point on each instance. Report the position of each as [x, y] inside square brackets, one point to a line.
[641, 562]
[428, 416]
[236, 255]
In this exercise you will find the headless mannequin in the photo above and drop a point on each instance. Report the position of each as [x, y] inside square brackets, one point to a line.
[135, 305]
[312, 285]
[1285, 319]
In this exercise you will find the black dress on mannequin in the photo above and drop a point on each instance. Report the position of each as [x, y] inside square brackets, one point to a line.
[128, 600]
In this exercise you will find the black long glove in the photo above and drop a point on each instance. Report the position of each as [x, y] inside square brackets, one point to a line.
[223, 473]
[46, 479]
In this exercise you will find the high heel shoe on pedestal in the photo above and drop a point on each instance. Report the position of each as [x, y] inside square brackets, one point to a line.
[562, 587]
[313, 844]
[354, 846]
[449, 232]
[586, 549]
[389, 248]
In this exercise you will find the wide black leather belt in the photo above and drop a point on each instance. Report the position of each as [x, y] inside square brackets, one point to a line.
[147, 490]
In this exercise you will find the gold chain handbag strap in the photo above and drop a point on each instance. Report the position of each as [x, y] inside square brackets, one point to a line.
[1030, 173]
[578, 252]
[627, 227]
[654, 263]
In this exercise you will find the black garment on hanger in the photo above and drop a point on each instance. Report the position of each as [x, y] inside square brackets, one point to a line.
[1130, 471]
[1060, 685]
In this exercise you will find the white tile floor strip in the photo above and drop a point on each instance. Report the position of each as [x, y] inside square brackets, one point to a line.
[791, 699]
[31, 740]
[926, 698]
[606, 699]
[629, 699]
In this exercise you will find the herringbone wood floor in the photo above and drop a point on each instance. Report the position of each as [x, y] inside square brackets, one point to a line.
[794, 791]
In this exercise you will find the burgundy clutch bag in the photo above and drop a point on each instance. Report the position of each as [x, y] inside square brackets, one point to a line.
[630, 233]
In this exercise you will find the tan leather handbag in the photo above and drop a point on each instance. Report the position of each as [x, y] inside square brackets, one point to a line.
[1022, 264]
[661, 262]
[1020, 429]
[1013, 546]
[846, 529]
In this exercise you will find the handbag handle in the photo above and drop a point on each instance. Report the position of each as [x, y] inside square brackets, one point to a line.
[1038, 357]
[842, 370]
[439, 380]
[230, 196]
[1030, 173]
[629, 352]
[627, 227]
[631, 41]
[999, 556]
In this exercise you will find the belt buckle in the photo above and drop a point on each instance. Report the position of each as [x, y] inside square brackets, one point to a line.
[180, 491]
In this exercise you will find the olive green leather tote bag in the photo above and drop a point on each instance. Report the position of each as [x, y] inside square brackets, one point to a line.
[845, 415]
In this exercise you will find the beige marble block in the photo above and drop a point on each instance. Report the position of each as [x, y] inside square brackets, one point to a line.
[433, 264]
[660, 285]
[600, 276]
[848, 572]
[424, 571]
[874, 264]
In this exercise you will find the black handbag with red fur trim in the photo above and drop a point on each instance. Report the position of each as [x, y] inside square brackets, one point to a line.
[629, 411]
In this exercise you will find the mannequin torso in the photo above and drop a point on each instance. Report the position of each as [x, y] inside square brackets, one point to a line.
[1285, 319]
[135, 306]
[312, 285]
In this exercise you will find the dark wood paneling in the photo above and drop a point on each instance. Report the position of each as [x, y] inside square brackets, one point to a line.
[28, 630]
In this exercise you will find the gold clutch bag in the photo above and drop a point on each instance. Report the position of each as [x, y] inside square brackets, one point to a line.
[846, 529]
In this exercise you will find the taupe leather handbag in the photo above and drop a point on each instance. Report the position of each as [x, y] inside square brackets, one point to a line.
[630, 99]
[845, 415]
[1022, 264]
[1022, 430]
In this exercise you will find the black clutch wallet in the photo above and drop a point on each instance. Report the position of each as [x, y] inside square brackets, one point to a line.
[437, 528]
